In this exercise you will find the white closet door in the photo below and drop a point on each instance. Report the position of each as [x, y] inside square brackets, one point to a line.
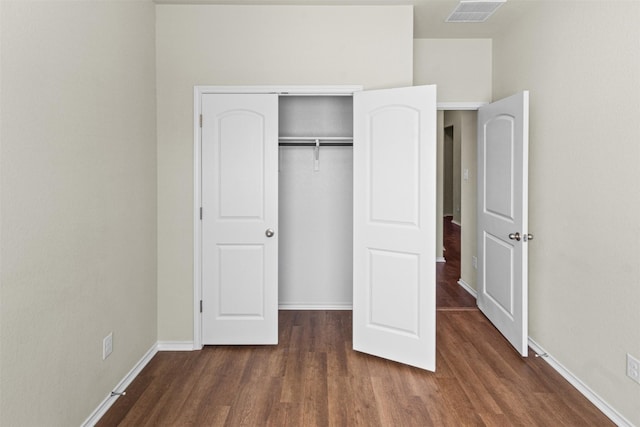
[394, 224]
[240, 212]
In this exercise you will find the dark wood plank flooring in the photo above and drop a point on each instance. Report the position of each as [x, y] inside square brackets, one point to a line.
[449, 294]
[313, 378]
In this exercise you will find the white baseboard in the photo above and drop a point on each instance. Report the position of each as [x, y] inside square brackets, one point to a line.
[440, 259]
[104, 406]
[302, 306]
[175, 346]
[456, 223]
[603, 406]
[468, 288]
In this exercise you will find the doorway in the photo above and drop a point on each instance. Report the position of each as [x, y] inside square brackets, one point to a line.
[456, 276]
[494, 165]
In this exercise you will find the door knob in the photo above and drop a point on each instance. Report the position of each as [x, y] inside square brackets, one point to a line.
[269, 232]
[527, 237]
[515, 236]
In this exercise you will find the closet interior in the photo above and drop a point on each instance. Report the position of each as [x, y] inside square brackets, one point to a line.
[315, 202]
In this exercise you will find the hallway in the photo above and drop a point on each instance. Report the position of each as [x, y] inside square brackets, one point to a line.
[449, 294]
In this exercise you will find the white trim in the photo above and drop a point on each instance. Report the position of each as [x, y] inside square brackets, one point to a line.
[346, 90]
[599, 403]
[303, 306]
[468, 288]
[176, 346]
[460, 105]
[198, 91]
[440, 259]
[104, 406]
[197, 223]
[454, 222]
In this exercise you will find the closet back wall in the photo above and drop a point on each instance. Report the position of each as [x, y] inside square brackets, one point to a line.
[246, 45]
[315, 264]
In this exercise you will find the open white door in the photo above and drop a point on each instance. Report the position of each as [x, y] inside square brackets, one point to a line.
[503, 141]
[394, 178]
[240, 219]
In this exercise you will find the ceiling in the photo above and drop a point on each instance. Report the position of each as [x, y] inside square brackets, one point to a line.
[429, 15]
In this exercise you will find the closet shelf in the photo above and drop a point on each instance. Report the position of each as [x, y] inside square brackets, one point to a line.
[310, 141]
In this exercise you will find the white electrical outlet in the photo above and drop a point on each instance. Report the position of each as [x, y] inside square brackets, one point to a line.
[107, 345]
[633, 368]
[474, 261]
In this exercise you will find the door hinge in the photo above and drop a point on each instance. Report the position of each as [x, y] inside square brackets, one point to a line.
[200, 120]
[200, 214]
[200, 306]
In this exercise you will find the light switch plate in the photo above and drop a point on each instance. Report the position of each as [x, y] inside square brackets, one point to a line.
[633, 368]
[107, 345]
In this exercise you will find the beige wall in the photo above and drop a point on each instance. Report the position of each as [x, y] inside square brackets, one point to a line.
[447, 178]
[460, 67]
[454, 119]
[78, 218]
[468, 196]
[245, 45]
[581, 62]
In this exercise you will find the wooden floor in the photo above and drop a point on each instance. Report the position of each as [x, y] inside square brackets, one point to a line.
[449, 293]
[314, 378]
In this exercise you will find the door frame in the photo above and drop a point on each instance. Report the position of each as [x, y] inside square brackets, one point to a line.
[281, 90]
[447, 106]
[198, 92]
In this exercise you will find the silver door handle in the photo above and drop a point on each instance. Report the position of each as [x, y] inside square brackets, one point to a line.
[527, 237]
[515, 236]
[269, 232]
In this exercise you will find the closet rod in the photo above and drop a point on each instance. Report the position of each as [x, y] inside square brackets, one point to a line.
[310, 141]
[313, 144]
[313, 138]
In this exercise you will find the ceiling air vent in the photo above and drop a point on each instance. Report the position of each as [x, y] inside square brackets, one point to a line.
[474, 10]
